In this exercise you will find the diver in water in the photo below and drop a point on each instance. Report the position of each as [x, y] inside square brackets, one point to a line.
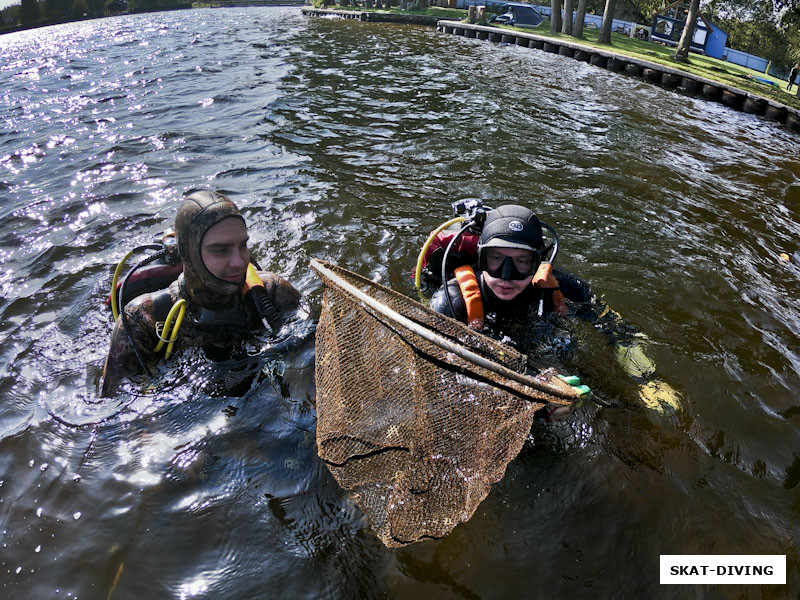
[212, 244]
[512, 290]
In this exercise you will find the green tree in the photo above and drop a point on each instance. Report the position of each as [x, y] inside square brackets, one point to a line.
[12, 15]
[57, 10]
[80, 9]
[555, 16]
[29, 12]
[648, 9]
[760, 38]
[762, 27]
[97, 8]
[580, 15]
[145, 5]
[788, 11]
[567, 25]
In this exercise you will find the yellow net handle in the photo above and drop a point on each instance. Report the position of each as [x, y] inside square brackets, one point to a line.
[428, 242]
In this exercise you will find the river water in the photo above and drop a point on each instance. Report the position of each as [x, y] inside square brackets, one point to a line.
[347, 141]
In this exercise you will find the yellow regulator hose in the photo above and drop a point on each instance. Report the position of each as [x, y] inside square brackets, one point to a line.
[114, 280]
[428, 242]
[169, 333]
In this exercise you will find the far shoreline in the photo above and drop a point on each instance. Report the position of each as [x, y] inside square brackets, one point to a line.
[670, 77]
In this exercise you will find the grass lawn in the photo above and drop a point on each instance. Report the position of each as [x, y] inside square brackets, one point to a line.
[703, 66]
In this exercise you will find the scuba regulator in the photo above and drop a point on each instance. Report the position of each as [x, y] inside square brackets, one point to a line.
[475, 217]
[254, 287]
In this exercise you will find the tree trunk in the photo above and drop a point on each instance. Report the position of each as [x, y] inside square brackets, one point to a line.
[608, 23]
[566, 28]
[577, 28]
[555, 16]
[682, 53]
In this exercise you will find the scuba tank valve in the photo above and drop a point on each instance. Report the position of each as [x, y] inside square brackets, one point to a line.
[170, 242]
[471, 210]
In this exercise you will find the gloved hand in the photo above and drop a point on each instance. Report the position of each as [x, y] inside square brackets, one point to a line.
[559, 412]
[660, 397]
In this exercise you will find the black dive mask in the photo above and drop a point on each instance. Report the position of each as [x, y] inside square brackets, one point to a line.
[508, 270]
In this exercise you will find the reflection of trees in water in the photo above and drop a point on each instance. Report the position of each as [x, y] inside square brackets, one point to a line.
[33, 13]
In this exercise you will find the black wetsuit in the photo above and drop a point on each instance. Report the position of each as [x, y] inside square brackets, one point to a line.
[519, 321]
[574, 289]
[552, 340]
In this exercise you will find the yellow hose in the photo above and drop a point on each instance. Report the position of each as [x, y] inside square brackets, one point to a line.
[168, 333]
[428, 242]
[114, 280]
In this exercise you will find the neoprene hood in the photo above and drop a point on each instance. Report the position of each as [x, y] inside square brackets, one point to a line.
[198, 213]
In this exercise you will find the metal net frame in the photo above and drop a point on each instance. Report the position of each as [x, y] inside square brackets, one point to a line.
[417, 415]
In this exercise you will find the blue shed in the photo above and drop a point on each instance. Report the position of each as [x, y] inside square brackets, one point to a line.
[716, 41]
[668, 25]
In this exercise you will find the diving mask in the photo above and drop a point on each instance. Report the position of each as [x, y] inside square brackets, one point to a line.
[514, 268]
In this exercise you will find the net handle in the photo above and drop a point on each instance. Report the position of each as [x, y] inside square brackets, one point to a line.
[441, 341]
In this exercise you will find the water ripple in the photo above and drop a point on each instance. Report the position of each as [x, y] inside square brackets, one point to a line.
[347, 141]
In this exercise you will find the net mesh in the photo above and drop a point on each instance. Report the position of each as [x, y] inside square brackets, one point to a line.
[416, 432]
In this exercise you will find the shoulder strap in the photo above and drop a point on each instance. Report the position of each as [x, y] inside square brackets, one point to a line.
[471, 292]
[544, 279]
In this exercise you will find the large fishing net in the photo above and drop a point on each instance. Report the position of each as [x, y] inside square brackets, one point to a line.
[418, 415]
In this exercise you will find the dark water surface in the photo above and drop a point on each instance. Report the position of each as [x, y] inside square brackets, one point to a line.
[347, 141]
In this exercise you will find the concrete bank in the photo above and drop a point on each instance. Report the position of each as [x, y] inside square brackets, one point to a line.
[667, 77]
[373, 17]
